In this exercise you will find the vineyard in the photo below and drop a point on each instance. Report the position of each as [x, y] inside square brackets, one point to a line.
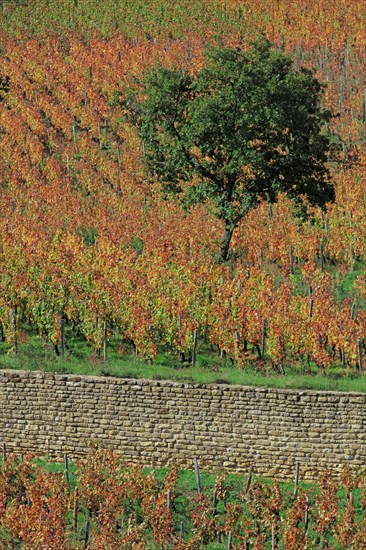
[86, 239]
[92, 250]
[115, 505]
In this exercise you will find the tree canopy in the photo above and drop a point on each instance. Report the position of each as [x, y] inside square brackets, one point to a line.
[243, 128]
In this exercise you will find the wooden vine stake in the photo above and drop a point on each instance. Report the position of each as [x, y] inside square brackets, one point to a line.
[343, 356]
[86, 534]
[229, 540]
[4, 452]
[321, 256]
[214, 504]
[351, 256]
[360, 354]
[75, 510]
[291, 254]
[105, 334]
[169, 503]
[270, 212]
[306, 518]
[249, 480]
[99, 134]
[297, 474]
[194, 347]
[66, 463]
[13, 321]
[237, 339]
[353, 312]
[62, 337]
[119, 159]
[264, 334]
[74, 133]
[197, 474]
[311, 304]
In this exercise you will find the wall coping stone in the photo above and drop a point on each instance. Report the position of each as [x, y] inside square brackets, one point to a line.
[11, 373]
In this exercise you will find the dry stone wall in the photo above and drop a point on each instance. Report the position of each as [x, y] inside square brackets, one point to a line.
[224, 426]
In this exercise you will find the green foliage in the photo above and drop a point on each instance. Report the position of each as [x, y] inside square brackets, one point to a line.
[245, 127]
[137, 244]
[89, 235]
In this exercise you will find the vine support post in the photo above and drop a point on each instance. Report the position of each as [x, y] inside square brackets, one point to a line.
[353, 312]
[119, 159]
[291, 255]
[306, 518]
[66, 463]
[62, 336]
[321, 256]
[197, 474]
[214, 504]
[75, 510]
[194, 347]
[311, 304]
[351, 255]
[249, 480]
[360, 354]
[297, 475]
[264, 335]
[86, 534]
[105, 334]
[99, 134]
[13, 321]
[74, 134]
[270, 212]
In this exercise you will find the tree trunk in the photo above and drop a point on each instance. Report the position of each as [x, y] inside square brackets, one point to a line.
[225, 243]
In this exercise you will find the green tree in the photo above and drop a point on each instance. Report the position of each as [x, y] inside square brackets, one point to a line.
[245, 127]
